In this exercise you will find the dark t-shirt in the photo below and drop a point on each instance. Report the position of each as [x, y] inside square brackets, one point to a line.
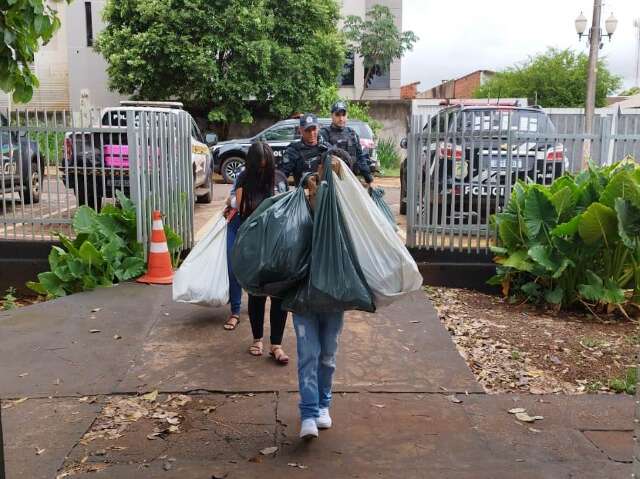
[251, 203]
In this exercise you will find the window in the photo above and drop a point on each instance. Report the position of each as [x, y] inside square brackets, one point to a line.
[347, 76]
[379, 79]
[285, 133]
[89, 23]
[195, 132]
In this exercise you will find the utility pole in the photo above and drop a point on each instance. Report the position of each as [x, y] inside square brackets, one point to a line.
[592, 74]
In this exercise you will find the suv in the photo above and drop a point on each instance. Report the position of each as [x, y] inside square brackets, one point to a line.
[20, 165]
[88, 155]
[472, 151]
[229, 156]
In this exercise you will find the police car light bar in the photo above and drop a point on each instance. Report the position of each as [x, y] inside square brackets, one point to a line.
[454, 102]
[153, 104]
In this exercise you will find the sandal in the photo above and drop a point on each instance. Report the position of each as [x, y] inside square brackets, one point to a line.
[256, 348]
[279, 355]
[230, 325]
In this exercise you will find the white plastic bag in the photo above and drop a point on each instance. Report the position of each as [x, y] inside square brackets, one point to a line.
[388, 267]
[203, 277]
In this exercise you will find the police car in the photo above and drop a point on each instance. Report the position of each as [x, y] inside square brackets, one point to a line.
[229, 156]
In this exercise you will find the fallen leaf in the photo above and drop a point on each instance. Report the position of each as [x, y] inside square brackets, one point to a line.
[517, 410]
[117, 336]
[269, 450]
[57, 382]
[538, 418]
[378, 405]
[167, 465]
[100, 452]
[153, 436]
[295, 464]
[173, 420]
[95, 310]
[210, 409]
[415, 321]
[93, 331]
[39, 451]
[152, 396]
[524, 417]
[23, 375]
[534, 430]
[454, 399]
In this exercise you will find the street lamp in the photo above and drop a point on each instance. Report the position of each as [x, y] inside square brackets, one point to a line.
[595, 43]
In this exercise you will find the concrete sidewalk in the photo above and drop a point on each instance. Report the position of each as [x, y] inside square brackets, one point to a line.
[393, 411]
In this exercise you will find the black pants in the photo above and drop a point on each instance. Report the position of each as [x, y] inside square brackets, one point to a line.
[277, 316]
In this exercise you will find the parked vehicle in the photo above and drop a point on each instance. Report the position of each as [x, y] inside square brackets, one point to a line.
[92, 154]
[476, 152]
[20, 166]
[229, 156]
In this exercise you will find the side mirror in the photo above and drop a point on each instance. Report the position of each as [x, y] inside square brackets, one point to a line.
[211, 138]
[403, 143]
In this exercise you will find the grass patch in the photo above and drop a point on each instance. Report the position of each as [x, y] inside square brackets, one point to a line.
[627, 384]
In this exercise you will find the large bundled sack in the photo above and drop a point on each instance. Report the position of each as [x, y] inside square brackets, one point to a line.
[203, 277]
[388, 267]
[335, 281]
[272, 249]
[377, 195]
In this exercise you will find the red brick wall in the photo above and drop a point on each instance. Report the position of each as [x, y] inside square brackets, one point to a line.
[466, 86]
[409, 92]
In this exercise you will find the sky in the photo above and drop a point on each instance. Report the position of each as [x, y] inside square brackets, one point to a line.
[457, 37]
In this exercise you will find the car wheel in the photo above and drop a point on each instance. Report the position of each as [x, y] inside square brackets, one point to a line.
[230, 168]
[208, 196]
[31, 192]
[89, 199]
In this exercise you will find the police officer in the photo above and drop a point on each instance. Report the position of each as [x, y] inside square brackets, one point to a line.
[341, 136]
[304, 156]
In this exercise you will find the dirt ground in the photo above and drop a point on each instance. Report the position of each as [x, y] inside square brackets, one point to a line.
[520, 348]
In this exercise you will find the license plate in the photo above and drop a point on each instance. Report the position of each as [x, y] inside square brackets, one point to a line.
[503, 162]
[485, 190]
[118, 183]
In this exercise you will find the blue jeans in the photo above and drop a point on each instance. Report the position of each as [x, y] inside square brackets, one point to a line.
[317, 337]
[235, 291]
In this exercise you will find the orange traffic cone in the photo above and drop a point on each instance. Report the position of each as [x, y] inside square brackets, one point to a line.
[159, 269]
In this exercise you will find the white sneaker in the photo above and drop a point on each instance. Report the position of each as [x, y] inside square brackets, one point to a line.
[308, 429]
[324, 421]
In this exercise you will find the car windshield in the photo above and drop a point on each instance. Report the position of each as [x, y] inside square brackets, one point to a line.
[363, 130]
[522, 121]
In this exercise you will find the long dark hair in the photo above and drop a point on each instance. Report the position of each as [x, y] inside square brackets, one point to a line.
[259, 182]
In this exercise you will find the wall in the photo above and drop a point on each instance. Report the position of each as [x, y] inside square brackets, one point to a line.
[394, 116]
[87, 69]
[359, 7]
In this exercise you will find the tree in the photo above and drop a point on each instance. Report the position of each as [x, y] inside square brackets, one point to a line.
[556, 78]
[377, 40]
[25, 25]
[224, 56]
[634, 90]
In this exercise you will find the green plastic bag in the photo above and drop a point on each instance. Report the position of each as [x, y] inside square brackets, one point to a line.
[377, 195]
[271, 254]
[335, 282]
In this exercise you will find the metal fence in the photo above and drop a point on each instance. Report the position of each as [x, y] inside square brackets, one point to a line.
[462, 165]
[54, 162]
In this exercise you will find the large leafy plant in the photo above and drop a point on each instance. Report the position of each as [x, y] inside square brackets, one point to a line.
[104, 251]
[576, 241]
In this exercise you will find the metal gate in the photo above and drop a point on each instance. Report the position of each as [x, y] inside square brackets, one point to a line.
[463, 162]
[52, 162]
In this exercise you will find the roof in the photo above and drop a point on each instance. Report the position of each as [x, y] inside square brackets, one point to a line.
[631, 102]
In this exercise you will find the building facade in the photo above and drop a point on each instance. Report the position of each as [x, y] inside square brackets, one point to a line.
[74, 76]
[463, 87]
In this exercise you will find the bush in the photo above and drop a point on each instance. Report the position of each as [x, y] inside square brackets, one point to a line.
[104, 251]
[576, 241]
[388, 154]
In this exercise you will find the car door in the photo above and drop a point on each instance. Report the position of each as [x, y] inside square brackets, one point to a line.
[279, 138]
[199, 155]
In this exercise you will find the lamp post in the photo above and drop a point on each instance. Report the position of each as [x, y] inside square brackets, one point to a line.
[595, 43]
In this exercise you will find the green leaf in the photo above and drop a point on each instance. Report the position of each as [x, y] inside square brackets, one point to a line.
[130, 268]
[37, 287]
[52, 284]
[569, 228]
[539, 213]
[554, 296]
[563, 200]
[598, 222]
[623, 185]
[531, 289]
[594, 289]
[518, 260]
[542, 254]
[90, 254]
[498, 250]
[628, 223]
[613, 294]
[84, 221]
[508, 229]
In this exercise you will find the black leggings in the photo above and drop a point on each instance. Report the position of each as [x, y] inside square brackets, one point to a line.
[277, 316]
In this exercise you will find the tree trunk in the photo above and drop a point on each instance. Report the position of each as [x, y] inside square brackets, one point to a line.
[366, 80]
